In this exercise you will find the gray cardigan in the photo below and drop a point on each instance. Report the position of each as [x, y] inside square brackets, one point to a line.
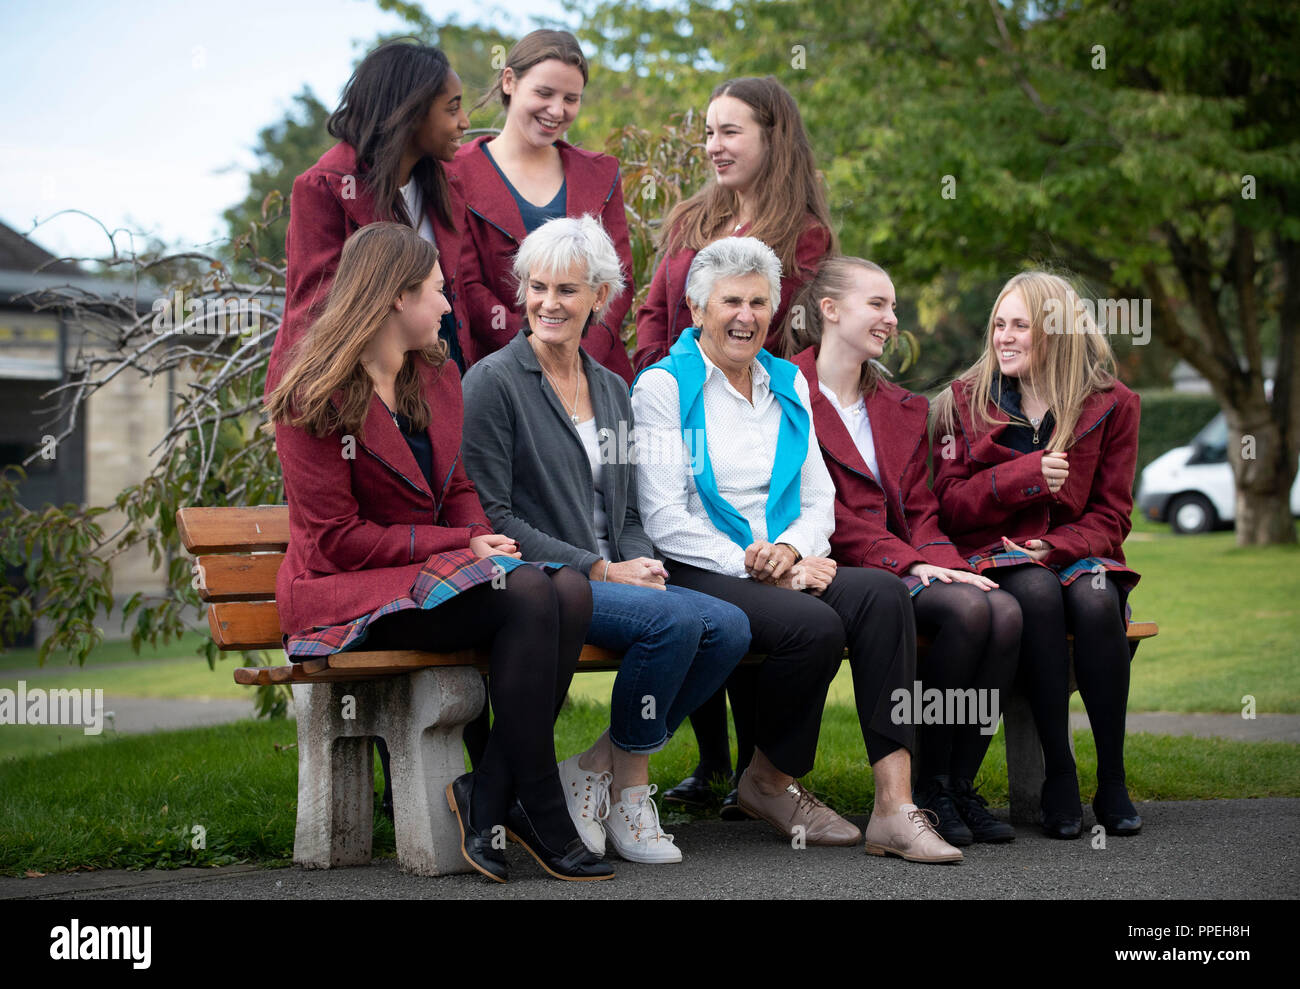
[527, 461]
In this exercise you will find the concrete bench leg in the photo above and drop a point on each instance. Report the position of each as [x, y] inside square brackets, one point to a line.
[335, 781]
[425, 715]
[1025, 769]
[421, 716]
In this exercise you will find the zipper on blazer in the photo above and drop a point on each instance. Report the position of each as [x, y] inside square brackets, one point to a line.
[396, 471]
[491, 224]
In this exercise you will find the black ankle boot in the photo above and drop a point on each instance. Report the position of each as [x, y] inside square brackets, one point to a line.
[1115, 811]
[1060, 812]
[933, 795]
[974, 811]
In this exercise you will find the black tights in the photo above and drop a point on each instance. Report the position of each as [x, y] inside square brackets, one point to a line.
[975, 640]
[536, 626]
[1092, 607]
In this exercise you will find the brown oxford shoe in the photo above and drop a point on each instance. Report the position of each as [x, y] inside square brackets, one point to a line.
[795, 812]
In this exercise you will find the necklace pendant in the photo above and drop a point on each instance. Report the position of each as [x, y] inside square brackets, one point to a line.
[574, 418]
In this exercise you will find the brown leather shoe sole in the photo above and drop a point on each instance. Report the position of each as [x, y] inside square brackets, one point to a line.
[874, 849]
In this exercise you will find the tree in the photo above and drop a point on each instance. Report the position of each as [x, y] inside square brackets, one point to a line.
[284, 150]
[1151, 148]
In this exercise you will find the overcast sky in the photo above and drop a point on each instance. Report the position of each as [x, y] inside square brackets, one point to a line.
[144, 113]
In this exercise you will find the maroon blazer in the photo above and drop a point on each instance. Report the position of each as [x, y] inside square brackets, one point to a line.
[362, 526]
[330, 201]
[890, 522]
[494, 231]
[666, 312]
[987, 491]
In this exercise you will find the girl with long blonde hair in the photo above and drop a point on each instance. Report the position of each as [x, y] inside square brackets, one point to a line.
[1035, 453]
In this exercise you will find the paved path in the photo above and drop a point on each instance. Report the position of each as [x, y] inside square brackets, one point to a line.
[137, 715]
[1261, 728]
[1244, 849]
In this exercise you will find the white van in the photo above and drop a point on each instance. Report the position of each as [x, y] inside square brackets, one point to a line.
[1191, 486]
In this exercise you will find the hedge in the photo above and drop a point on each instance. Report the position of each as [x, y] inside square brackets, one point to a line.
[1170, 419]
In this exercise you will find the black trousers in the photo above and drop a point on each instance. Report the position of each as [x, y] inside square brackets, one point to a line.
[804, 637]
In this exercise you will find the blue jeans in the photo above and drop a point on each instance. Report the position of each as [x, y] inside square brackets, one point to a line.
[679, 646]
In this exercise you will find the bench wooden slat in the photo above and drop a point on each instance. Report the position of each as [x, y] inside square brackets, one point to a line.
[1142, 630]
[238, 577]
[234, 530]
[245, 625]
[365, 665]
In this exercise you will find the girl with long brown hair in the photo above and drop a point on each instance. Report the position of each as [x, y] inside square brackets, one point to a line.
[389, 546]
[765, 185]
[1036, 448]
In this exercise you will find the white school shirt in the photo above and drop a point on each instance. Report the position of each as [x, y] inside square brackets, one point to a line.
[858, 423]
[741, 441]
[415, 208]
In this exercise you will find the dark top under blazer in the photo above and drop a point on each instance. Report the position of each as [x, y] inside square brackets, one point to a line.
[530, 467]
[331, 201]
[494, 230]
[363, 519]
[987, 490]
[890, 522]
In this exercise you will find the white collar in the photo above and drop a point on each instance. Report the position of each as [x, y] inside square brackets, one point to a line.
[834, 400]
[758, 373]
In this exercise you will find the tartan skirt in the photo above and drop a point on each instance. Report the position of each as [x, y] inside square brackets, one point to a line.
[443, 576]
[1067, 574]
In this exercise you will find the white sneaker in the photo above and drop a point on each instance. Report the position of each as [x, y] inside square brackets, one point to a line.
[633, 827]
[587, 794]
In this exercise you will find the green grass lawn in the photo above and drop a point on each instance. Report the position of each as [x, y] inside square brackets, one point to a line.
[109, 652]
[134, 801]
[1229, 623]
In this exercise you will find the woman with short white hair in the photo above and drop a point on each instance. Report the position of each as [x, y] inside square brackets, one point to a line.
[750, 524]
[550, 445]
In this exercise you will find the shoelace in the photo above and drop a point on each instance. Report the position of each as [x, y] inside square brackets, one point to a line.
[972, 795]
[600, 793]
[925, 819]
[807, 799]
[645, 809]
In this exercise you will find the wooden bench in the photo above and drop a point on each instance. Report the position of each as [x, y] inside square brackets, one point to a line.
[418, 702]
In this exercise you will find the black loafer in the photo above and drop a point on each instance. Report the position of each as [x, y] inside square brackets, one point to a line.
[474, 846]
[1119, 825]
[1061, 814]
[731, 809]
[574, 864]
[1120, 818]
[694, 791]
[1058, 826]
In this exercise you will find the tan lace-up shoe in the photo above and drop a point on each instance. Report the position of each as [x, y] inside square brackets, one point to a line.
[795, 808]
[909, 834]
